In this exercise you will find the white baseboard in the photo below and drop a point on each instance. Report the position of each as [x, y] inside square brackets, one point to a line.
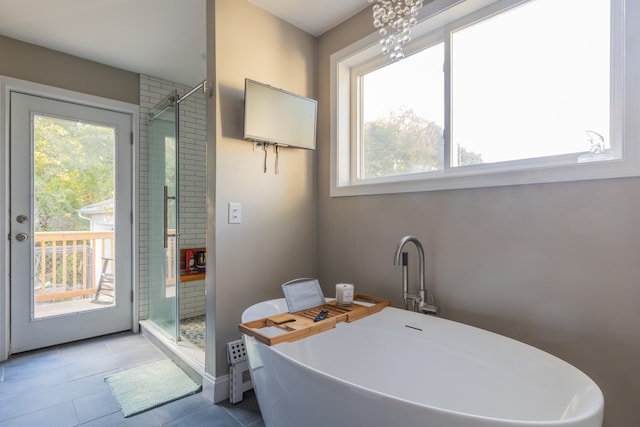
[215, 389]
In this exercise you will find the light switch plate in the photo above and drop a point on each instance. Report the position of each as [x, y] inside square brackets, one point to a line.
[235, 213]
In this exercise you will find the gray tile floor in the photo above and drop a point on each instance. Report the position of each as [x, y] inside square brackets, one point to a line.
[64, 386]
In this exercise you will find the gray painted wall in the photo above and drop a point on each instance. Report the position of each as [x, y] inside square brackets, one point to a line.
[276, 241]
[33, 63]
[554, 265]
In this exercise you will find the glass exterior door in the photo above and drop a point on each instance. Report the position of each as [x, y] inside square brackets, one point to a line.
[162, 218]
[70, 222]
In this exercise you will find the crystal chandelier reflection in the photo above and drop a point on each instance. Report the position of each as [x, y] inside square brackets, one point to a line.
[394, 19]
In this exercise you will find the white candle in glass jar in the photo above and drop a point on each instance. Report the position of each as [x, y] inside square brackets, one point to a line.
[344, 294]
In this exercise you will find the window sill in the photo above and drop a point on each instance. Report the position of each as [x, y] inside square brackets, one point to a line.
[497, 177]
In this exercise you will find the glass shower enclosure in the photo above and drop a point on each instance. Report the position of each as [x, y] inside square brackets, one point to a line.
[163, 247]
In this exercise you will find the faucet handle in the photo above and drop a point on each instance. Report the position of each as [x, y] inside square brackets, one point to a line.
[429, 307]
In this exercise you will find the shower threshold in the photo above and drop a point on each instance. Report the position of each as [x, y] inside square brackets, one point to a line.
[185, 354]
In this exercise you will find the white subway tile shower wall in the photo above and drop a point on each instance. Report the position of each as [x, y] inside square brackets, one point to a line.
[192, 187]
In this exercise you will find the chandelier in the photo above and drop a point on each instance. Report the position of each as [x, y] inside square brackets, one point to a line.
[394, 19]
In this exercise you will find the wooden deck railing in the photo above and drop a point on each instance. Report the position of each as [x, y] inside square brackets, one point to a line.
[68, 263]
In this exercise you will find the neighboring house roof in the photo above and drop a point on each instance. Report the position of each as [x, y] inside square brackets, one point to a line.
[105, 206]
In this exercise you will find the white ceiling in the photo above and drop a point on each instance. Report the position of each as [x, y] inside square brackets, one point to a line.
[161, 38]
[313, 16]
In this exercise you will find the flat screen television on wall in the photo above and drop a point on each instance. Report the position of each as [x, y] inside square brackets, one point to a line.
[275, 116]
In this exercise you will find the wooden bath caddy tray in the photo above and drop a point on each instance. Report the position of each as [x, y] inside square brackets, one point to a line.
[288, 327]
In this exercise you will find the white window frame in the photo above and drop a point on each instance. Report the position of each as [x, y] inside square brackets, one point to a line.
[444, 16]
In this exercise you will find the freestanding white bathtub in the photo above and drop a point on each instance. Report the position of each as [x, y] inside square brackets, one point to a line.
[398, 368]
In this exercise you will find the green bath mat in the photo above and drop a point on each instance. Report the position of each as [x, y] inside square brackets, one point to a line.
[149, 386]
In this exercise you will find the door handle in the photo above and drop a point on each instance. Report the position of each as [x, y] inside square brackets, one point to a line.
[21, 237]
[22, 219]
[166, 198]
[165, 201]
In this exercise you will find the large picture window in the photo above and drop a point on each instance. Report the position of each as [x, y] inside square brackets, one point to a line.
[512, 92]
[531, 81]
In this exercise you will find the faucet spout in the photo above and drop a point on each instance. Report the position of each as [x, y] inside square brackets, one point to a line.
[425, 304]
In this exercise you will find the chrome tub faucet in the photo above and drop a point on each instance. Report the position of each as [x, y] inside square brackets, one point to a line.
[423, 301]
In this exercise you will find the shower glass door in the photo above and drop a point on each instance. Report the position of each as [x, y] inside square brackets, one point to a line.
[162, 216]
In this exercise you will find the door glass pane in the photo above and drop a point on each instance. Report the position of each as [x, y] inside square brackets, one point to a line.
[74, 226]
[403, 116]
[543, 90]
[162, 216]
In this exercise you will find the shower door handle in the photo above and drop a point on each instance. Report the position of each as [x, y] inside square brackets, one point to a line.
[165, 200]
[165, 210]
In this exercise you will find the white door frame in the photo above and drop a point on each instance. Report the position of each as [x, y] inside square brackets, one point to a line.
[8, 84]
